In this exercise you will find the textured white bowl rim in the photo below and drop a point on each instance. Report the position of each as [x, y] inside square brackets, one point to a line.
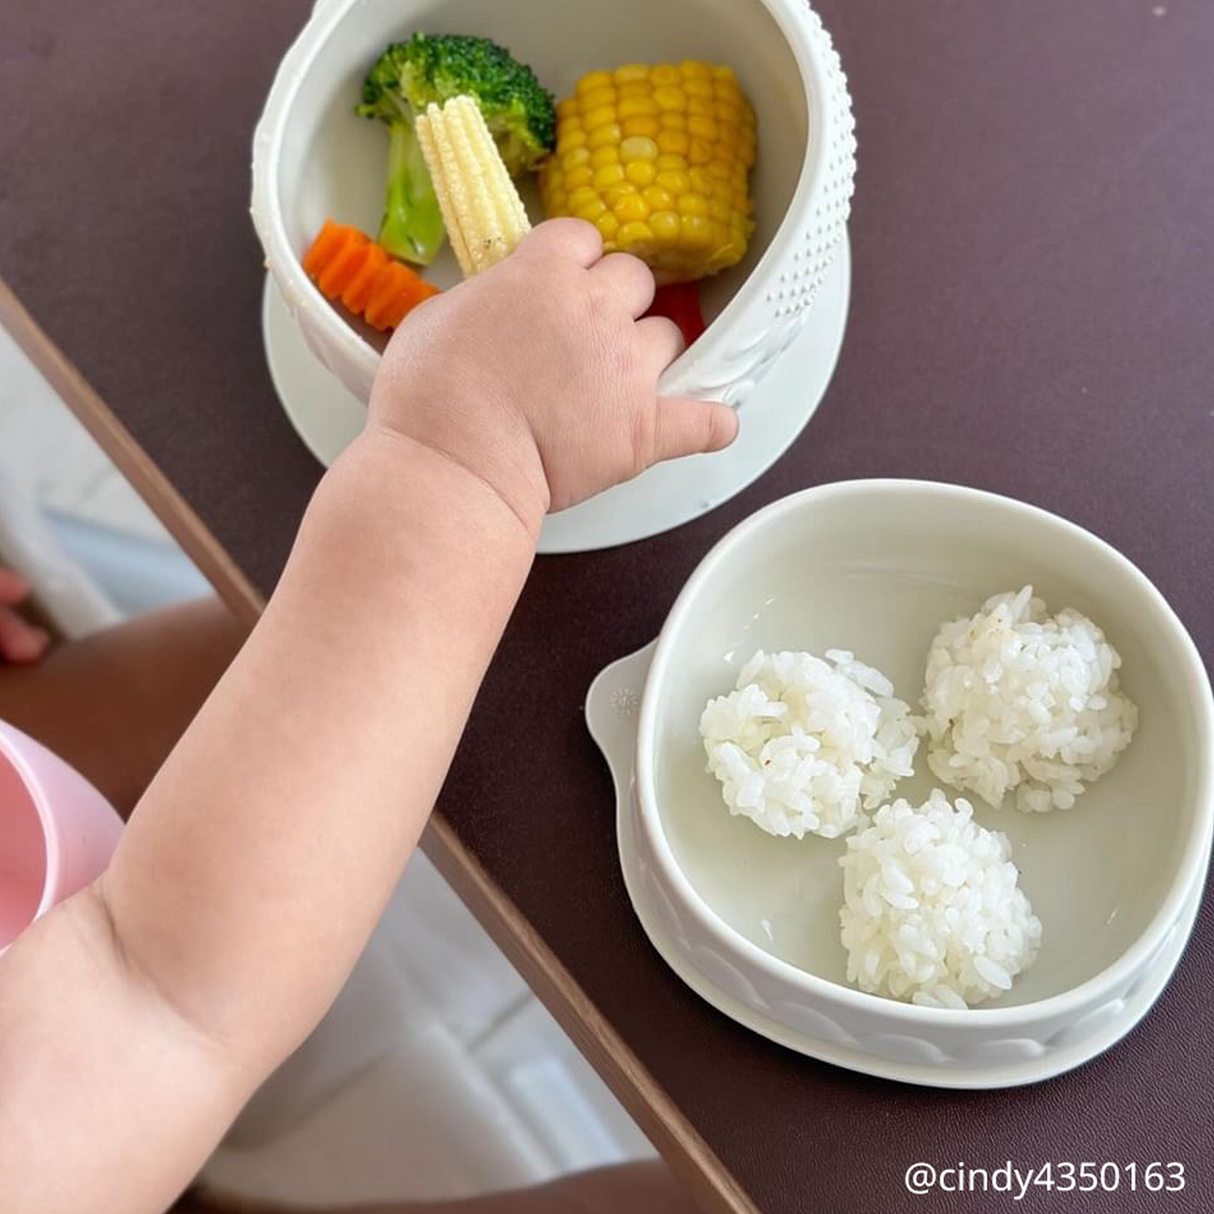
[286, 266]
[1197, 693]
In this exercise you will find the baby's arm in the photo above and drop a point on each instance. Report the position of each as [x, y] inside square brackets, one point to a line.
[136, 1018]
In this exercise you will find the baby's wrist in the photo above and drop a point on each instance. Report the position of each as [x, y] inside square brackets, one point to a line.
[496, 476]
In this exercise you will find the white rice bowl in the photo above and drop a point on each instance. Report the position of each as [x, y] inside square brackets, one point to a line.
[932, 910]
[1018, 700]
[803, 745]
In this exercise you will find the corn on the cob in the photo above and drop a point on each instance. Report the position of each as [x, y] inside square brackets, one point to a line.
[484, 215]
[657, 158]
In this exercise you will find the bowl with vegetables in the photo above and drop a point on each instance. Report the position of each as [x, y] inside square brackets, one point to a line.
[712, 139]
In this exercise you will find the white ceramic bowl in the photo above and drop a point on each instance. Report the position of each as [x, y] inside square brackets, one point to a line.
[875, 567]
[312, 158]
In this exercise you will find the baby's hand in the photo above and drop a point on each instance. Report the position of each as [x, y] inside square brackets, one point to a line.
[19, 642]
[537, 376]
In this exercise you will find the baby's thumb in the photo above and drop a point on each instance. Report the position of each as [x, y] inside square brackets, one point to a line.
[690, 427]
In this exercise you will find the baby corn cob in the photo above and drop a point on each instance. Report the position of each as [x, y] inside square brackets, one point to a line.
[657, 158]
[482, 210]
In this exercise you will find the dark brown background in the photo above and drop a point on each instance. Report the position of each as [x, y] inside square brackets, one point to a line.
[1033, 308]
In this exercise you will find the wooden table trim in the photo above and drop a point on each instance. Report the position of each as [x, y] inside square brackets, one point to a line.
[646, 1101]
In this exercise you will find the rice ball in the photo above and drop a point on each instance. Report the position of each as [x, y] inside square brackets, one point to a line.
[803, 745]
[1018, 699]
[932, 910]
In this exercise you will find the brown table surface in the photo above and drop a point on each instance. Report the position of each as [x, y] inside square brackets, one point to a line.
[1032, 313]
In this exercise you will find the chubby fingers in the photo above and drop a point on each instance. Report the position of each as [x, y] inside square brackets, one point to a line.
[625, 278]
[691, 427]
[20, 642]
[659, 343]
[574, 239]
[682, 426]
[13, 587]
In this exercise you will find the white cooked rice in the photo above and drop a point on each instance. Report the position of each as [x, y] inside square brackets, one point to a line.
[803, 744]
[1017, 699]
[932, 911]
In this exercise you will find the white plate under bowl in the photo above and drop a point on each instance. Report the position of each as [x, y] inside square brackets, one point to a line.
[875, 567]
[327, 417]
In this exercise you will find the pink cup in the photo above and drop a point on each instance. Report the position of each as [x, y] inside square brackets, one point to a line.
[57, 832]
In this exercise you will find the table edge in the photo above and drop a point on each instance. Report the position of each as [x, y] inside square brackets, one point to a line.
[689, 1156]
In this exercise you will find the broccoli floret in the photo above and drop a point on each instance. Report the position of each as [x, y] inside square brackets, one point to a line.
[407, 77]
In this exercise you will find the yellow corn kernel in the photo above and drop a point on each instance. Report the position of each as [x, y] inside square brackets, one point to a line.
[630, 208]
[633, 233]
[609, 153]
[599, 97]
[632, 107]
[609, 174]
[591, 210]
[607, 133]
[659, 199]
[734, 251]
[592, 81]
[581, 195]
[657, 157]
[607, 224]
[664, 225]
[631, 73]
[637, 147]
[640, 172]
[613, 194]
[643, 124]
[696, 231]
[599, 116]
